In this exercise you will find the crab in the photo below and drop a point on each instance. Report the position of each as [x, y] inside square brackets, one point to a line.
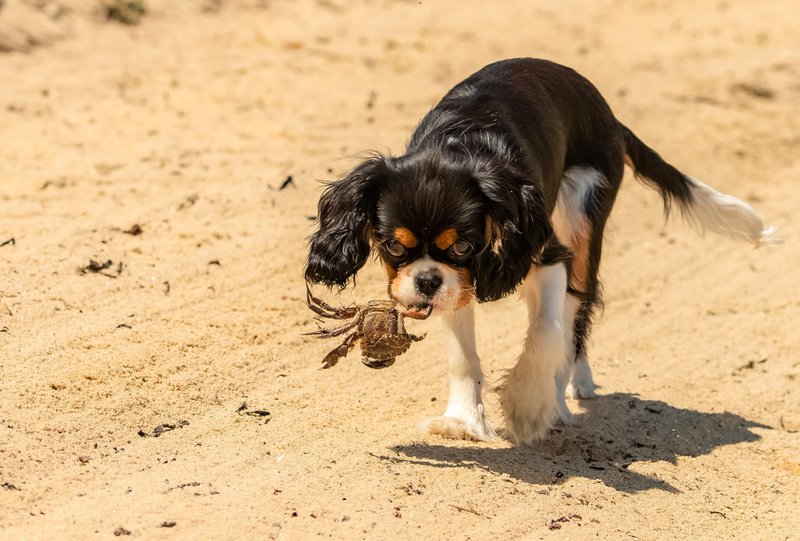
[378, 326]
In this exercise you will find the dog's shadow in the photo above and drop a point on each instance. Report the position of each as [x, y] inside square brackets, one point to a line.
[616, 431]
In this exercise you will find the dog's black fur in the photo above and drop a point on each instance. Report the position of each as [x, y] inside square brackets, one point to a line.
[488, 160]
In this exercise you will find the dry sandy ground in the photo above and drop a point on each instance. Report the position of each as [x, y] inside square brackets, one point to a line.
[186, 125]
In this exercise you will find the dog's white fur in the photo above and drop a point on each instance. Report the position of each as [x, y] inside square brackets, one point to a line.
[582, 384]
[571, 306]
[727, 215]
[569, 220]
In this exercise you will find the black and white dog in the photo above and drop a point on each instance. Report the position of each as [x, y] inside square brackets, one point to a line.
[506, 185]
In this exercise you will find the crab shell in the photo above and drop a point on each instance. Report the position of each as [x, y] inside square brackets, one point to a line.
[383, 338]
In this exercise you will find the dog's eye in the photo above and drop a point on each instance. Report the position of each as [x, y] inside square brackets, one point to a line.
[395, 249]
[460, 248]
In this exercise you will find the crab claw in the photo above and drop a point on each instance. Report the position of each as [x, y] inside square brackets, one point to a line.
[419, 313]
[340, 352]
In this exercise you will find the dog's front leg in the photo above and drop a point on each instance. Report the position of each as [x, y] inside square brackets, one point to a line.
[464, 417]
[528, 390]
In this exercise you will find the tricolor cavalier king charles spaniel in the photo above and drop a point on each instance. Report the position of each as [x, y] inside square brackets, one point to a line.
[506, 185]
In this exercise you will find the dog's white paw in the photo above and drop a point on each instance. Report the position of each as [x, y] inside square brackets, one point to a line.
[529, 409]
[582, 391]
[562, 382]
[564, 415]
[475, 427]
[582, 384]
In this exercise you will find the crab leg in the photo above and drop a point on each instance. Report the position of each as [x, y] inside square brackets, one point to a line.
[338, 331]
[326, 310]
[401, 328]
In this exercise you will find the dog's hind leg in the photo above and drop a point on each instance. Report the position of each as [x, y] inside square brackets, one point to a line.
[582, 383]
[585, 200]
[582, 199]
[571, 306]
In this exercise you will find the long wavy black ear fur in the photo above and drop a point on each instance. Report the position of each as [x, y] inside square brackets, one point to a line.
[517, 229]
[341, 244]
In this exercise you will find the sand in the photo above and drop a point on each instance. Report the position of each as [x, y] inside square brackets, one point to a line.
[188, 123]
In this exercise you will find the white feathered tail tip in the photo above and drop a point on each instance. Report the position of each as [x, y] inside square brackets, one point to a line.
[721, 213]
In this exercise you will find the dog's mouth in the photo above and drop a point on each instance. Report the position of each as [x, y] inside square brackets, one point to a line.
[416, 307]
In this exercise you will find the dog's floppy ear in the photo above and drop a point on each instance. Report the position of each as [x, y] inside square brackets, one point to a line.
[341, 245]
[517, 229]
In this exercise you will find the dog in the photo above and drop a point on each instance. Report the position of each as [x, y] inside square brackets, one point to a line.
[506, 185]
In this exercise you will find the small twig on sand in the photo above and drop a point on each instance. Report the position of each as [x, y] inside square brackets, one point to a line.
[467, 509]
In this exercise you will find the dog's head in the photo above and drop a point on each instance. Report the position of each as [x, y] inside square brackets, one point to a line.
[447, 226]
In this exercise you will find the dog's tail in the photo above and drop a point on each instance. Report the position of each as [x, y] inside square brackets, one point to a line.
[701, 205]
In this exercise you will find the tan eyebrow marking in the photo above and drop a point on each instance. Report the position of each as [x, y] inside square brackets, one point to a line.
[445, 239]
[405, 237]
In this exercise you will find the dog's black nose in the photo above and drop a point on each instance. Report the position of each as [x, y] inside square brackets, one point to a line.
[427, 282]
